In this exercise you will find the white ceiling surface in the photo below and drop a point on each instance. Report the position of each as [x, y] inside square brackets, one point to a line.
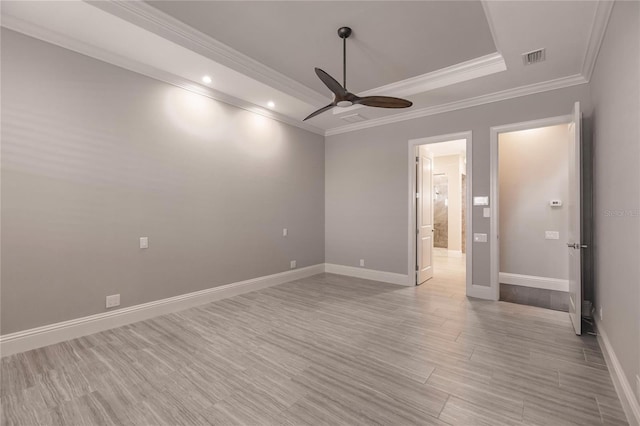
[263, 63]
[391, 41]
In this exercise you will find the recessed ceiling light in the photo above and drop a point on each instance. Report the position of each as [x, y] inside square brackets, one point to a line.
[271, 104]
[206, 79]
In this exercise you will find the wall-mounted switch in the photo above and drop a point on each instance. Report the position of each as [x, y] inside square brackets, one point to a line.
[481, 201]
[113, 300]
[486, 212]
[293, 264]
[551, 235]
[479, 238]
[285, 232]
[555, 203]
[144, 242]
[361, 262]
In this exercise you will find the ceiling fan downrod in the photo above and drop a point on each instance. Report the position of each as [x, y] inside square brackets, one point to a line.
[344, 33]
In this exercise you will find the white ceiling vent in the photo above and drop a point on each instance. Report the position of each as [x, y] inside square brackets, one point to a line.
[533, 57]
[353, 118]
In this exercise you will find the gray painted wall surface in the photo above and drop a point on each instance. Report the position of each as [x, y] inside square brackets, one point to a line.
[615, 88]
[533, 170]
[94, 157]
[367, 179]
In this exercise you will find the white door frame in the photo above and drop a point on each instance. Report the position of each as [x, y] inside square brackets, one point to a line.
[494, 200]
[413, 144]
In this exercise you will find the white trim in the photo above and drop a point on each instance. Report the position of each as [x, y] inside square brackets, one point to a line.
[464, 71]
[598, 30]
[516, 92]
[533, 281]
[158, 22]
[480, 292]
[494, 196]
[628, 399]
[411, 250]
[368, 274]
[21, 26]
[54, 333]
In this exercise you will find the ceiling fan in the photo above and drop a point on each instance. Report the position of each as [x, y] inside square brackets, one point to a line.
[342, 97]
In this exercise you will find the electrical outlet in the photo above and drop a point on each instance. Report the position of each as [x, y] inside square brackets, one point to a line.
[144, 242]
[551, 235]
[361, 262]
[600, 313]
[113, 300]
[293, 264]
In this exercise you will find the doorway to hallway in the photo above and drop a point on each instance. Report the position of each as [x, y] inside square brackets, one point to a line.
[439, 216]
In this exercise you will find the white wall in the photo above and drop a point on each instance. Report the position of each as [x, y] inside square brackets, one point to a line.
[450, 166]
[367, 187]
[615, 91]
[533, 169]
[94, 157]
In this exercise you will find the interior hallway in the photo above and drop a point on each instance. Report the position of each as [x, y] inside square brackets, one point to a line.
[328, 349]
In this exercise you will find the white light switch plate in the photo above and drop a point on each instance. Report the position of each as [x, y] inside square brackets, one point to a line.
[551, 235]
[481, 201]
[486, 212]
[479, 238]
[361, 262]
[285, 232]
[113, 300]
[293, 264]
[144, 242]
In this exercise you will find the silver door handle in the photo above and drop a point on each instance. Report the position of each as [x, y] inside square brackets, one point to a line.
[584, 246]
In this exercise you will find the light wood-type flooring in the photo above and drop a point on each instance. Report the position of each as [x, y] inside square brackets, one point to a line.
[323, 350]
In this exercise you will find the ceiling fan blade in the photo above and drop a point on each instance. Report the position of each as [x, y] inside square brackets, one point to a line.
[320, 111]
[383, 102]
[332, 84]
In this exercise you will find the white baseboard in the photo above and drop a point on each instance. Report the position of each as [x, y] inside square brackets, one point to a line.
[533, 281]
[368, 274]
[25, 340]
[625, 392]
[481, 292]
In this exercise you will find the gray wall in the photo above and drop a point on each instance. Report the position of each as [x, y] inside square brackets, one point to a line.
[533, 170]
[615, 88]
[367, 179]
[94, 156]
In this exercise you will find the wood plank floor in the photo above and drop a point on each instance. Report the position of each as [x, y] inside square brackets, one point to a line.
[323, 350]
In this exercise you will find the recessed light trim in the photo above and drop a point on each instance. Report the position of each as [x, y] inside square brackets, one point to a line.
[207, 79]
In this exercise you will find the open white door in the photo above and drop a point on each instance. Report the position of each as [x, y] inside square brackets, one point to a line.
[424, 215]
[574, 238]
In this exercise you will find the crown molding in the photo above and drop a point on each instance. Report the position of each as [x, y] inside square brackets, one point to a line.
[35, 31]
[464, 71]
[530, 89]
[154, 20]
[598, 30]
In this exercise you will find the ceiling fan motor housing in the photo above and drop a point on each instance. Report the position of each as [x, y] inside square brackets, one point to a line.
[344, 32]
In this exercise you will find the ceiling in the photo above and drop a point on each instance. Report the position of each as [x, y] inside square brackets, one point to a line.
[391, 41]
[442, 55]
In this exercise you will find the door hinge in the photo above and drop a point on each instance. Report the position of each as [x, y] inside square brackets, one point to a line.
[417, 159]
[417, 232]
[417, 195]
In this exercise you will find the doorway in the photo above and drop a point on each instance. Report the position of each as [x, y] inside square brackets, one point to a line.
[439, 217]
[542, 219]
